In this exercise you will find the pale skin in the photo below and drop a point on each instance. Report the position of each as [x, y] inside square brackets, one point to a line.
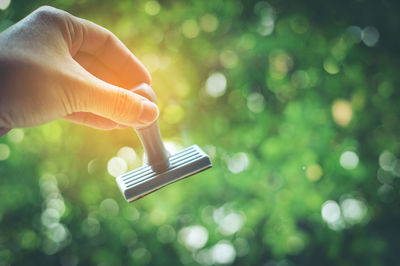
[54, 65]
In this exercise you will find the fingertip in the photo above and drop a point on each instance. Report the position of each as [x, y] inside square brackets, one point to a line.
[146, 75]
[145, 91]
[149, 112]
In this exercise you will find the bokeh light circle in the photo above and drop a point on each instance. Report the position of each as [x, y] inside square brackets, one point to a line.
[349, 160]
[216, 85]
[117, 166]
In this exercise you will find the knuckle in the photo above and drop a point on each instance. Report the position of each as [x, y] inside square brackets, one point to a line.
[45, 12]
[124, 108]
[50, 15]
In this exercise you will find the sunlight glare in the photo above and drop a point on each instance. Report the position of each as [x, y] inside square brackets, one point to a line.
[190, 29]
[4, 152]
[117, 166]
[128, 154]
[4, 4]
[209, 22]
[152, 8]
[342, 112]
[370, 36]
[193, 237]
[238, 162]
[16, 135]
[349, 160]
[223, 252]
[216, 85]
[330, 211]
[256, 102]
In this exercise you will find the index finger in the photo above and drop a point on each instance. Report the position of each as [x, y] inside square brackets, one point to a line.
[109, 50]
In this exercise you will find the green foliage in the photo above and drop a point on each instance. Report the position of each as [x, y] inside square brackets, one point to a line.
[303, 138]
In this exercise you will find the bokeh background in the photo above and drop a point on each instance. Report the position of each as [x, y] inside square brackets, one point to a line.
[297, 104]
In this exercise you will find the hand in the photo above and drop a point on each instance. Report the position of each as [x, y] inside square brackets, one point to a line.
[54, 65]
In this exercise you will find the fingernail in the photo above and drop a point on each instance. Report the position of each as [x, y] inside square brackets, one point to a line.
[149, 112]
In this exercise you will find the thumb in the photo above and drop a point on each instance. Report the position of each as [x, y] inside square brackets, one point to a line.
[117, 104]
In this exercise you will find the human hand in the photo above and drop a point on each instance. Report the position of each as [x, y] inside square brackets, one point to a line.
[55, 65]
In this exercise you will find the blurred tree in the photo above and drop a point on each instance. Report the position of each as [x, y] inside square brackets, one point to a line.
[296, 103]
